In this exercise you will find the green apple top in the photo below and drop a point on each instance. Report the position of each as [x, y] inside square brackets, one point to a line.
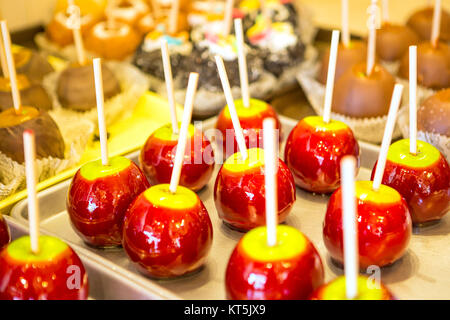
[95, 169]
[165, 133]
[161, 196]
[426, 154]
[290, 244]
[335, 290]
[49, 249]
[318, 123]
[255, 108]
[235, 163]
[385, 195]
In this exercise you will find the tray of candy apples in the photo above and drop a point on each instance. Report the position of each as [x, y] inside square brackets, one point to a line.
[212, 211]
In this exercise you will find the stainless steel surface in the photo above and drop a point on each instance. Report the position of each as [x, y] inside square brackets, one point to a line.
[423, 273]
[104, 282]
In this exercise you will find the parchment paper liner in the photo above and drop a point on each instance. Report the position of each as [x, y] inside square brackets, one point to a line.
[132, 82]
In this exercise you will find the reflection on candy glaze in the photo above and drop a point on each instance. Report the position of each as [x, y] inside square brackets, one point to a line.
[275, 36]
[177, 44]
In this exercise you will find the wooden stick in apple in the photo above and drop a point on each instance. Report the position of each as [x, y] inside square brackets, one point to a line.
[242, 62]
[413, 99]
[436, 26]
[74, 23]
[169, 84]
[387, 137]
[3, 61]
[349, 223]
[30, 170]
[228, 16]
[270, 178]
[182, 138]
[330, 76]
[231, 107]
[371, 42]
[345, 27]
[173, 16]
[12, 68]
[101, 110]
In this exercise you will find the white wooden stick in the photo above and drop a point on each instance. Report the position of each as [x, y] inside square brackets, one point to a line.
[345, 27]
[436, 23]
[270, 178]
[11, 67]
[169, 84]
[98, 78]
[387, 137]
[173, 16]
[182, 138]
[228, 16]
[385, 10]
[330, 76]
[74, 23]
[3, 59]
[371, 50]
[413, 99]
[30, 170]
[242, 62]
[230, 102]
[351, 254]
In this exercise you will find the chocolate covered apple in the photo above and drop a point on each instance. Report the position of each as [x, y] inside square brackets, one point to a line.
[335, 290]
[359, 95]
[421, 22]
[239, 192]
[434, 113]
[99, 196]
[5, 237]
[167, 234]
[393, 41]
[75, 88]
[32, 94]
[55, 273]
[250, 118]
[384, 225]
[313, 152]
[49, 142]
[292, 269]
[158, 153]
[423, 179]
[348, 55]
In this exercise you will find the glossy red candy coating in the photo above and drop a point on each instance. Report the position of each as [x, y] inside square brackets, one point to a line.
[5, 237]
[384, 231]
[251, 128]
[292, 279]
[426, 190]
[42, 280]
[97, 207]
[240, 196]
[165, 242]
[157, 159]
[314, 156]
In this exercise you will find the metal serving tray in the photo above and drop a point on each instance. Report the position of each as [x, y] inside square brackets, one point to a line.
[104, 282]
[423, 273]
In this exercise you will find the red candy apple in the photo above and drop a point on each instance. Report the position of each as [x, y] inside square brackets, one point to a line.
[99, 196]
[292, 269]
[55, 273]
[5, 237]
[335, 290]
[239, 191]
[167, 234]
[384, 225]
[314, 150]
[251, 120]
[158, 154]
[422, 179]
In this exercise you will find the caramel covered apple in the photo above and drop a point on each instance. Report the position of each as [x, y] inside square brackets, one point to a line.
[393, 41]
[421, 22]
[434, 113]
